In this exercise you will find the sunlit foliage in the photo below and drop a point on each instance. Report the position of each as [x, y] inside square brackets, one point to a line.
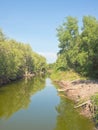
[17, 59]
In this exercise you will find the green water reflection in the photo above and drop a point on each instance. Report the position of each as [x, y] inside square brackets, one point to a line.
[69, 119]
[34, 104]
[16, 96]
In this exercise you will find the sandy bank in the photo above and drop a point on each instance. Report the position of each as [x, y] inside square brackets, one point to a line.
[80, 90]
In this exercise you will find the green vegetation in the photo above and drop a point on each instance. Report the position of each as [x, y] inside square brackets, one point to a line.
[94, 100]
[78, 47]
[65, 75]
[18, 60]
[78, 54]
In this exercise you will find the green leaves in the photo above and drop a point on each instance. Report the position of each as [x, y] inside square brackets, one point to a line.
[80, 50]
[67, 33]
[18, 59]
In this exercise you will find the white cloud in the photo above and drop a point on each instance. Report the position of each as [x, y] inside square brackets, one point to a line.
[50, 56]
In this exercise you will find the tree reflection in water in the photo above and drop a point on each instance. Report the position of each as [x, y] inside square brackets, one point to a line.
[16, 96]
[69, 119]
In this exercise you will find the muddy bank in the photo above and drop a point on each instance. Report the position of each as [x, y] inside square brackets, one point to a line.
[80, 91]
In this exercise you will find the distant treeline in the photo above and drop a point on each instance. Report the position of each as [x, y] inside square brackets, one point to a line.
[18, 60]
[78, 46]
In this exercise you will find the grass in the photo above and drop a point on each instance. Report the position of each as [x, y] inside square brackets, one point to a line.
[66, 75]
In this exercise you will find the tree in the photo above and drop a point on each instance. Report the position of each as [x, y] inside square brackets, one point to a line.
[18, 60]
[79, 51]
[68, 36]
[89, 45]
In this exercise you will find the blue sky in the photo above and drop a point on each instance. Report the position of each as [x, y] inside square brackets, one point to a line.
[35, 21]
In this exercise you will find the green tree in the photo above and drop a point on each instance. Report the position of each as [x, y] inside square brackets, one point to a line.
[68, 36]
[89, 45]
[79, 51]
[18, 60]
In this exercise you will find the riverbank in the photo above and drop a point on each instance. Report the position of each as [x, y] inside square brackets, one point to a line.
[80, 91]
[4, 81]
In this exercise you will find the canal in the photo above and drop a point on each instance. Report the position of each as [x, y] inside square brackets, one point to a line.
[34, 104]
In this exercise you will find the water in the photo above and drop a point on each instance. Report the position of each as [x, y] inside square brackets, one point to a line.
[34, 104]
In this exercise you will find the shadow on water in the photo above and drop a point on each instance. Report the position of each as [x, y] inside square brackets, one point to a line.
[16, 96]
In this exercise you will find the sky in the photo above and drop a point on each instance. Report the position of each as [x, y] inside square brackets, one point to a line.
[35, 21]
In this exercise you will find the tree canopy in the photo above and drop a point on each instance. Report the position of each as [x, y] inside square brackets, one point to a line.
[17, 59]
[78, 47]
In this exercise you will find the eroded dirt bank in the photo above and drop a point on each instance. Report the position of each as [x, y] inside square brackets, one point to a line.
[80, 91]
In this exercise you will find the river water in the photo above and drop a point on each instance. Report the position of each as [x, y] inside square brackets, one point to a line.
[34, 104]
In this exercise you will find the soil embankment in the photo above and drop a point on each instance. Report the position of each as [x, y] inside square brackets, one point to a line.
[80, 91]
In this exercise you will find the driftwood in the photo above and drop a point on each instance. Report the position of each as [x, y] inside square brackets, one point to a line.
[66, 90]
[62, 95]
[82, 104]
[61, 90]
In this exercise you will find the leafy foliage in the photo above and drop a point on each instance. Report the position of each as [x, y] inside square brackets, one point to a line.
[78, 48]
[18, 59]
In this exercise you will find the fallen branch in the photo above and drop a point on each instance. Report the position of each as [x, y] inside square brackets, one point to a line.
[61, 90]
[62, 95]
[82, 104]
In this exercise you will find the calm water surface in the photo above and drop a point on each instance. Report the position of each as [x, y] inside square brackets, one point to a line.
[34, 104]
